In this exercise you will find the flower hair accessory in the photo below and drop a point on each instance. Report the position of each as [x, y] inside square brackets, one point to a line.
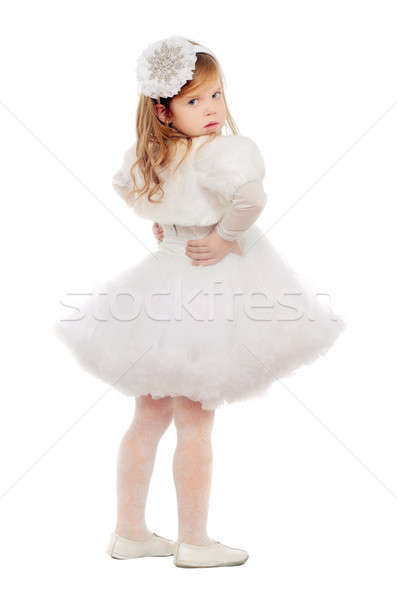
[165, 66]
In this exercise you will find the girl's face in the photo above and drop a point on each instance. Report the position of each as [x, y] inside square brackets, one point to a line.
[191, 113]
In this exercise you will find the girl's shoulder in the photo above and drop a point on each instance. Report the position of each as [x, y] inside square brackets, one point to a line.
[235, 143]
[228, 161]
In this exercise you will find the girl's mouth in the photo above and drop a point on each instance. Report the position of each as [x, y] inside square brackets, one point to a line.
[212, 124]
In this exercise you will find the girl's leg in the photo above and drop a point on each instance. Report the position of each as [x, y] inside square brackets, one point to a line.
[192, 467]
[135, 464]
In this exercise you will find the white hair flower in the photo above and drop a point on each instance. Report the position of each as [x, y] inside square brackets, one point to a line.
[165, 66]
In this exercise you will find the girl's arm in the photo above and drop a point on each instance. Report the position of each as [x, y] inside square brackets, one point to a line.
[248, 202]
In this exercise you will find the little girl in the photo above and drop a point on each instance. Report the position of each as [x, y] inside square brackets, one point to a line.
[185, 340]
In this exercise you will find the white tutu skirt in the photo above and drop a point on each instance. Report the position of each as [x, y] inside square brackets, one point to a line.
[216, 334]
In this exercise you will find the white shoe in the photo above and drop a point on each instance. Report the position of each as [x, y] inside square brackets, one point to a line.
[212, 555]
[156, 545]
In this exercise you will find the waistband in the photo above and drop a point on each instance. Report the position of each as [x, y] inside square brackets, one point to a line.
[176, 236]
[172, 231]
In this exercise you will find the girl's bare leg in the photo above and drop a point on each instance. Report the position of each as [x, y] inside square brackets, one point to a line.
[192, 468]
[135, 464]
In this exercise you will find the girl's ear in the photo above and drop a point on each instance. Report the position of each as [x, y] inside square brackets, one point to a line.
[162, 113]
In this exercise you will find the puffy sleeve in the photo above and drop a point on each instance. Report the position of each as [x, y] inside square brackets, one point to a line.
[121, 180]
[232, 168]
[226, 163]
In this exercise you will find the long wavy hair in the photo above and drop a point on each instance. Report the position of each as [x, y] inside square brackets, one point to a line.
[156, 141]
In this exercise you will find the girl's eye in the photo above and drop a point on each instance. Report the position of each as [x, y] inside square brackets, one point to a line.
[193, 99]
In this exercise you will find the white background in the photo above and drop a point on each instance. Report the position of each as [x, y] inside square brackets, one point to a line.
[304, 478]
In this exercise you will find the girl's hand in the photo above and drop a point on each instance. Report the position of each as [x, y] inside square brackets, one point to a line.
[210, 249]
[158, 232]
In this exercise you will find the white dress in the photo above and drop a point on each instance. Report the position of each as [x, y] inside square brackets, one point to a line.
[218, 333]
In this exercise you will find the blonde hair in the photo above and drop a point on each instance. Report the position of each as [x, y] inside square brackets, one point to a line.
[156, 141]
